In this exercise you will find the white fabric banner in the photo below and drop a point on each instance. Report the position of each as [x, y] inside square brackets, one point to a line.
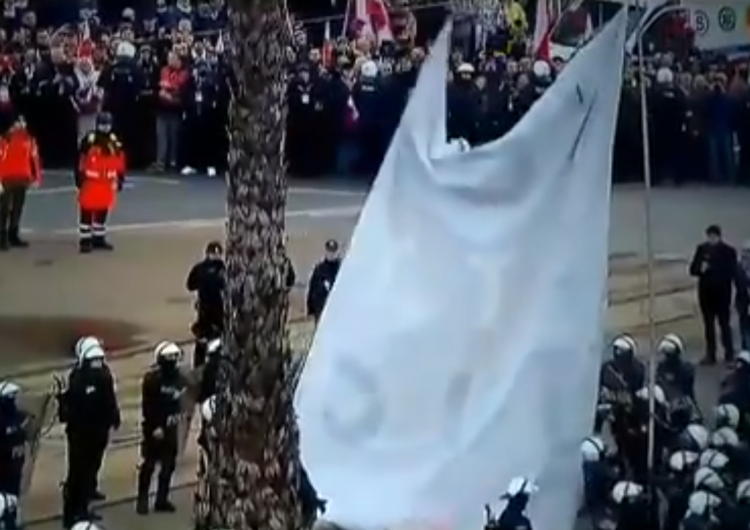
[461, 343]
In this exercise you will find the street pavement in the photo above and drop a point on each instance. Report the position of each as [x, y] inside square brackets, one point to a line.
[153, 201]
[135, 296]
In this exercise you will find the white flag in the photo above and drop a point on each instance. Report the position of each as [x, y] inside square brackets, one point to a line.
[461, 342]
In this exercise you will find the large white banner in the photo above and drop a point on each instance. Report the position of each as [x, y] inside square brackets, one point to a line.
[461, 343]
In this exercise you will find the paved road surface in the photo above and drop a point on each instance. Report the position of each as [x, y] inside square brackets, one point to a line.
[163, 201]
[135, 295]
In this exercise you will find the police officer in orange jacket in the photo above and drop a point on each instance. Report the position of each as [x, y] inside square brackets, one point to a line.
[19, 169]
[101, 170]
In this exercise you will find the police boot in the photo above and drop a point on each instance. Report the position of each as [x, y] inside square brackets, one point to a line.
[4, 243]
[101, 243]
[162, 503]
[14, 239]
[84, 246]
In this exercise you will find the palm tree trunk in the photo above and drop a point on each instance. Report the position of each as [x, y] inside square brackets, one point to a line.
[251, 479]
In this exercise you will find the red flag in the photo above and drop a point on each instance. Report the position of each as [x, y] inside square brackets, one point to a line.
[543, 30]
[86, 46]
[373, 19]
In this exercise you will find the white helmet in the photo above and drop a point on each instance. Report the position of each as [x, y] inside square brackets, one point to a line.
[706, 477]
[8, 503]
[592, 449]
[670, 343]
[727, 415]
[9, 389]
[700, 502]
[86, 343]
[86, 525]
[697, 434]
[93, 353]
[659, 396]
[624, 344]
[713, 459]
[664, 76]
[682, 460]
[520, 486]
[213, 346]
[743, 490]
[724, 437]
[624, 490]
[167, 350]
[208, 409]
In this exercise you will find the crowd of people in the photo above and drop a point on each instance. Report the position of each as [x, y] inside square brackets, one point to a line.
[163, 75]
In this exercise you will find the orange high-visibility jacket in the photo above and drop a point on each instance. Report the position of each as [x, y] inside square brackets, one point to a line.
[101, 166]
[19, 158]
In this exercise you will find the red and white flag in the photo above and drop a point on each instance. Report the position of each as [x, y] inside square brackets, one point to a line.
[543, 26]
[86, 45]
[372, 19]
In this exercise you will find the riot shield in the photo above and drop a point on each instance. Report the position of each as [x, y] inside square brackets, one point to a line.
[40, 409]
[188, 403]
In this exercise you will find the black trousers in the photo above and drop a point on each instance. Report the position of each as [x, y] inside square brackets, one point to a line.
[161, 452]
[80, 476]
[717, 313]
[12, 200]
[11, 474]
[92, 225]
[99, 443]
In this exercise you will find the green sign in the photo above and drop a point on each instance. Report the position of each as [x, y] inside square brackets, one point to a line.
[727, 19]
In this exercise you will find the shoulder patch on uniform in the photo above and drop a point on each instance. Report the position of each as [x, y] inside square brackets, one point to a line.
[91, 137]
[112, 137]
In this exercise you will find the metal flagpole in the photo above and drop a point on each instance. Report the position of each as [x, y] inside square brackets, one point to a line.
[649, 248]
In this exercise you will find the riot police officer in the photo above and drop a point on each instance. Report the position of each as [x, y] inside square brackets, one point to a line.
[12, 439]
[599, 476]
[89, 409]
[8, 512]
[162, 391]
[322, 279]
[517, 495]
[207, 280]
[677, 377]
[631, 506]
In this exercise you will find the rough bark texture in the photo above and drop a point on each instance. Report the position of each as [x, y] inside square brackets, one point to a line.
[250, 480]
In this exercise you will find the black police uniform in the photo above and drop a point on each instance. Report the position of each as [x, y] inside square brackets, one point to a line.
[89, 409]
[677, 378]
[161, 407]
[715, 266]
[513, 517]
[207, 279]
[12, 446]
[321, 282]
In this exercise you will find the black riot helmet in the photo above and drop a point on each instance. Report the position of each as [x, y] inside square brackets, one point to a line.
[104, 122]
